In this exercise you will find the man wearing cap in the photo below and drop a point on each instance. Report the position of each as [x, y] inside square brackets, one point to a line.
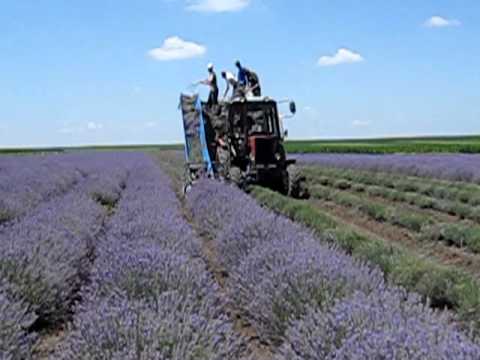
[211, 81]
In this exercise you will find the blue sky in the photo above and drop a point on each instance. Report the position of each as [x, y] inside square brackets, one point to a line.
[110, 72]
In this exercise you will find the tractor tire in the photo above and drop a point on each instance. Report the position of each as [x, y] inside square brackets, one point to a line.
[284, 184]
[297, 187]
[235, 175]
[223, 162]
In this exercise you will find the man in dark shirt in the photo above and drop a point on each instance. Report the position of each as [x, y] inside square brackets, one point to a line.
[242, 75]
[253, 83]
[233, 84]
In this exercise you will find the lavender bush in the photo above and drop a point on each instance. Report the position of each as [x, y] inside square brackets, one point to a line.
[27, 181]
[293, 282]
[389, 324]
[150, 211]
[145, 271]
[292, 276]
[150, 296]
[15, 319]
[238, 239]
[124, 329]
[45, 254]
[271, 256]
[456, 167]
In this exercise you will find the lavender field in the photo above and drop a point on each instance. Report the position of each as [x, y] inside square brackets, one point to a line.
[457, 167]
[100, 258]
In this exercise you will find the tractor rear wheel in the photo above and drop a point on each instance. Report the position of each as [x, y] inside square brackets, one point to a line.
[284, 183]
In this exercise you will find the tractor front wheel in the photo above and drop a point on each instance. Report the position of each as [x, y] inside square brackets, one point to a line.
[297, 187]
[235, 175]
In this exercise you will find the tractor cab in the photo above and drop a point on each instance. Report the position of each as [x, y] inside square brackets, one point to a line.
[256, 135]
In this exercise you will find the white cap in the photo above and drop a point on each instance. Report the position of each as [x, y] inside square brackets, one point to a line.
[210, 66]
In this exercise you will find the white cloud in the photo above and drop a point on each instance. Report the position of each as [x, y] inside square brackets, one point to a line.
[360, 123]
[150, 124]
[439, 22]
[343, 56]
[93, 126]
[175, 48]
[217, 6]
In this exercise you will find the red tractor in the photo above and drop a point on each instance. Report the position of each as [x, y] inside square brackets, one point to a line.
[243, 141]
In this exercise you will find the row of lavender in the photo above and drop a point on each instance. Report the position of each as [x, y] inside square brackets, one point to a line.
[457, 167]
[311, 301]
[45, 254]
[27, 181]
[150, 295]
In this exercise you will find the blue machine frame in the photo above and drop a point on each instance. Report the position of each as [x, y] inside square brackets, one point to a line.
[195, 134]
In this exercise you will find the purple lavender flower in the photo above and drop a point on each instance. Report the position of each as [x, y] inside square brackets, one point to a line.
[458, 167]
[144, 271]
[150, 295]
[46, 253]
[389, 324]
[339, 308]
[279, 280]
[117, 328]
[15, 319]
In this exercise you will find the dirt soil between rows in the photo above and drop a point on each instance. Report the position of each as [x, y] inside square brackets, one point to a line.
[438, 252]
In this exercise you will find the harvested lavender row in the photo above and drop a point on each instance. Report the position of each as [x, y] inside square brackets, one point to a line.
[457, 167]
[280, 275]
[150, 297]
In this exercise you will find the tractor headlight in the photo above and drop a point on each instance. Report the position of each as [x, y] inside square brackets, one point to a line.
[278, 156]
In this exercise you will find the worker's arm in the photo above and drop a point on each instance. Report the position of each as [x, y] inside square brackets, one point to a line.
[252, 88]
[196, 83]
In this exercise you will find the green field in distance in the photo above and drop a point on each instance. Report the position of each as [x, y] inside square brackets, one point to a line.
[445, 144]
[438, 144]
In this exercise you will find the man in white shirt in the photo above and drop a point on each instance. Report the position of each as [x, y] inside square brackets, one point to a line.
[211, 81]
[231, 83]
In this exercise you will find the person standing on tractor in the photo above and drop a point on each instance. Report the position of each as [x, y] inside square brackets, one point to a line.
[242, 74]
[253, 83]
[211, 81]
[231, 83]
